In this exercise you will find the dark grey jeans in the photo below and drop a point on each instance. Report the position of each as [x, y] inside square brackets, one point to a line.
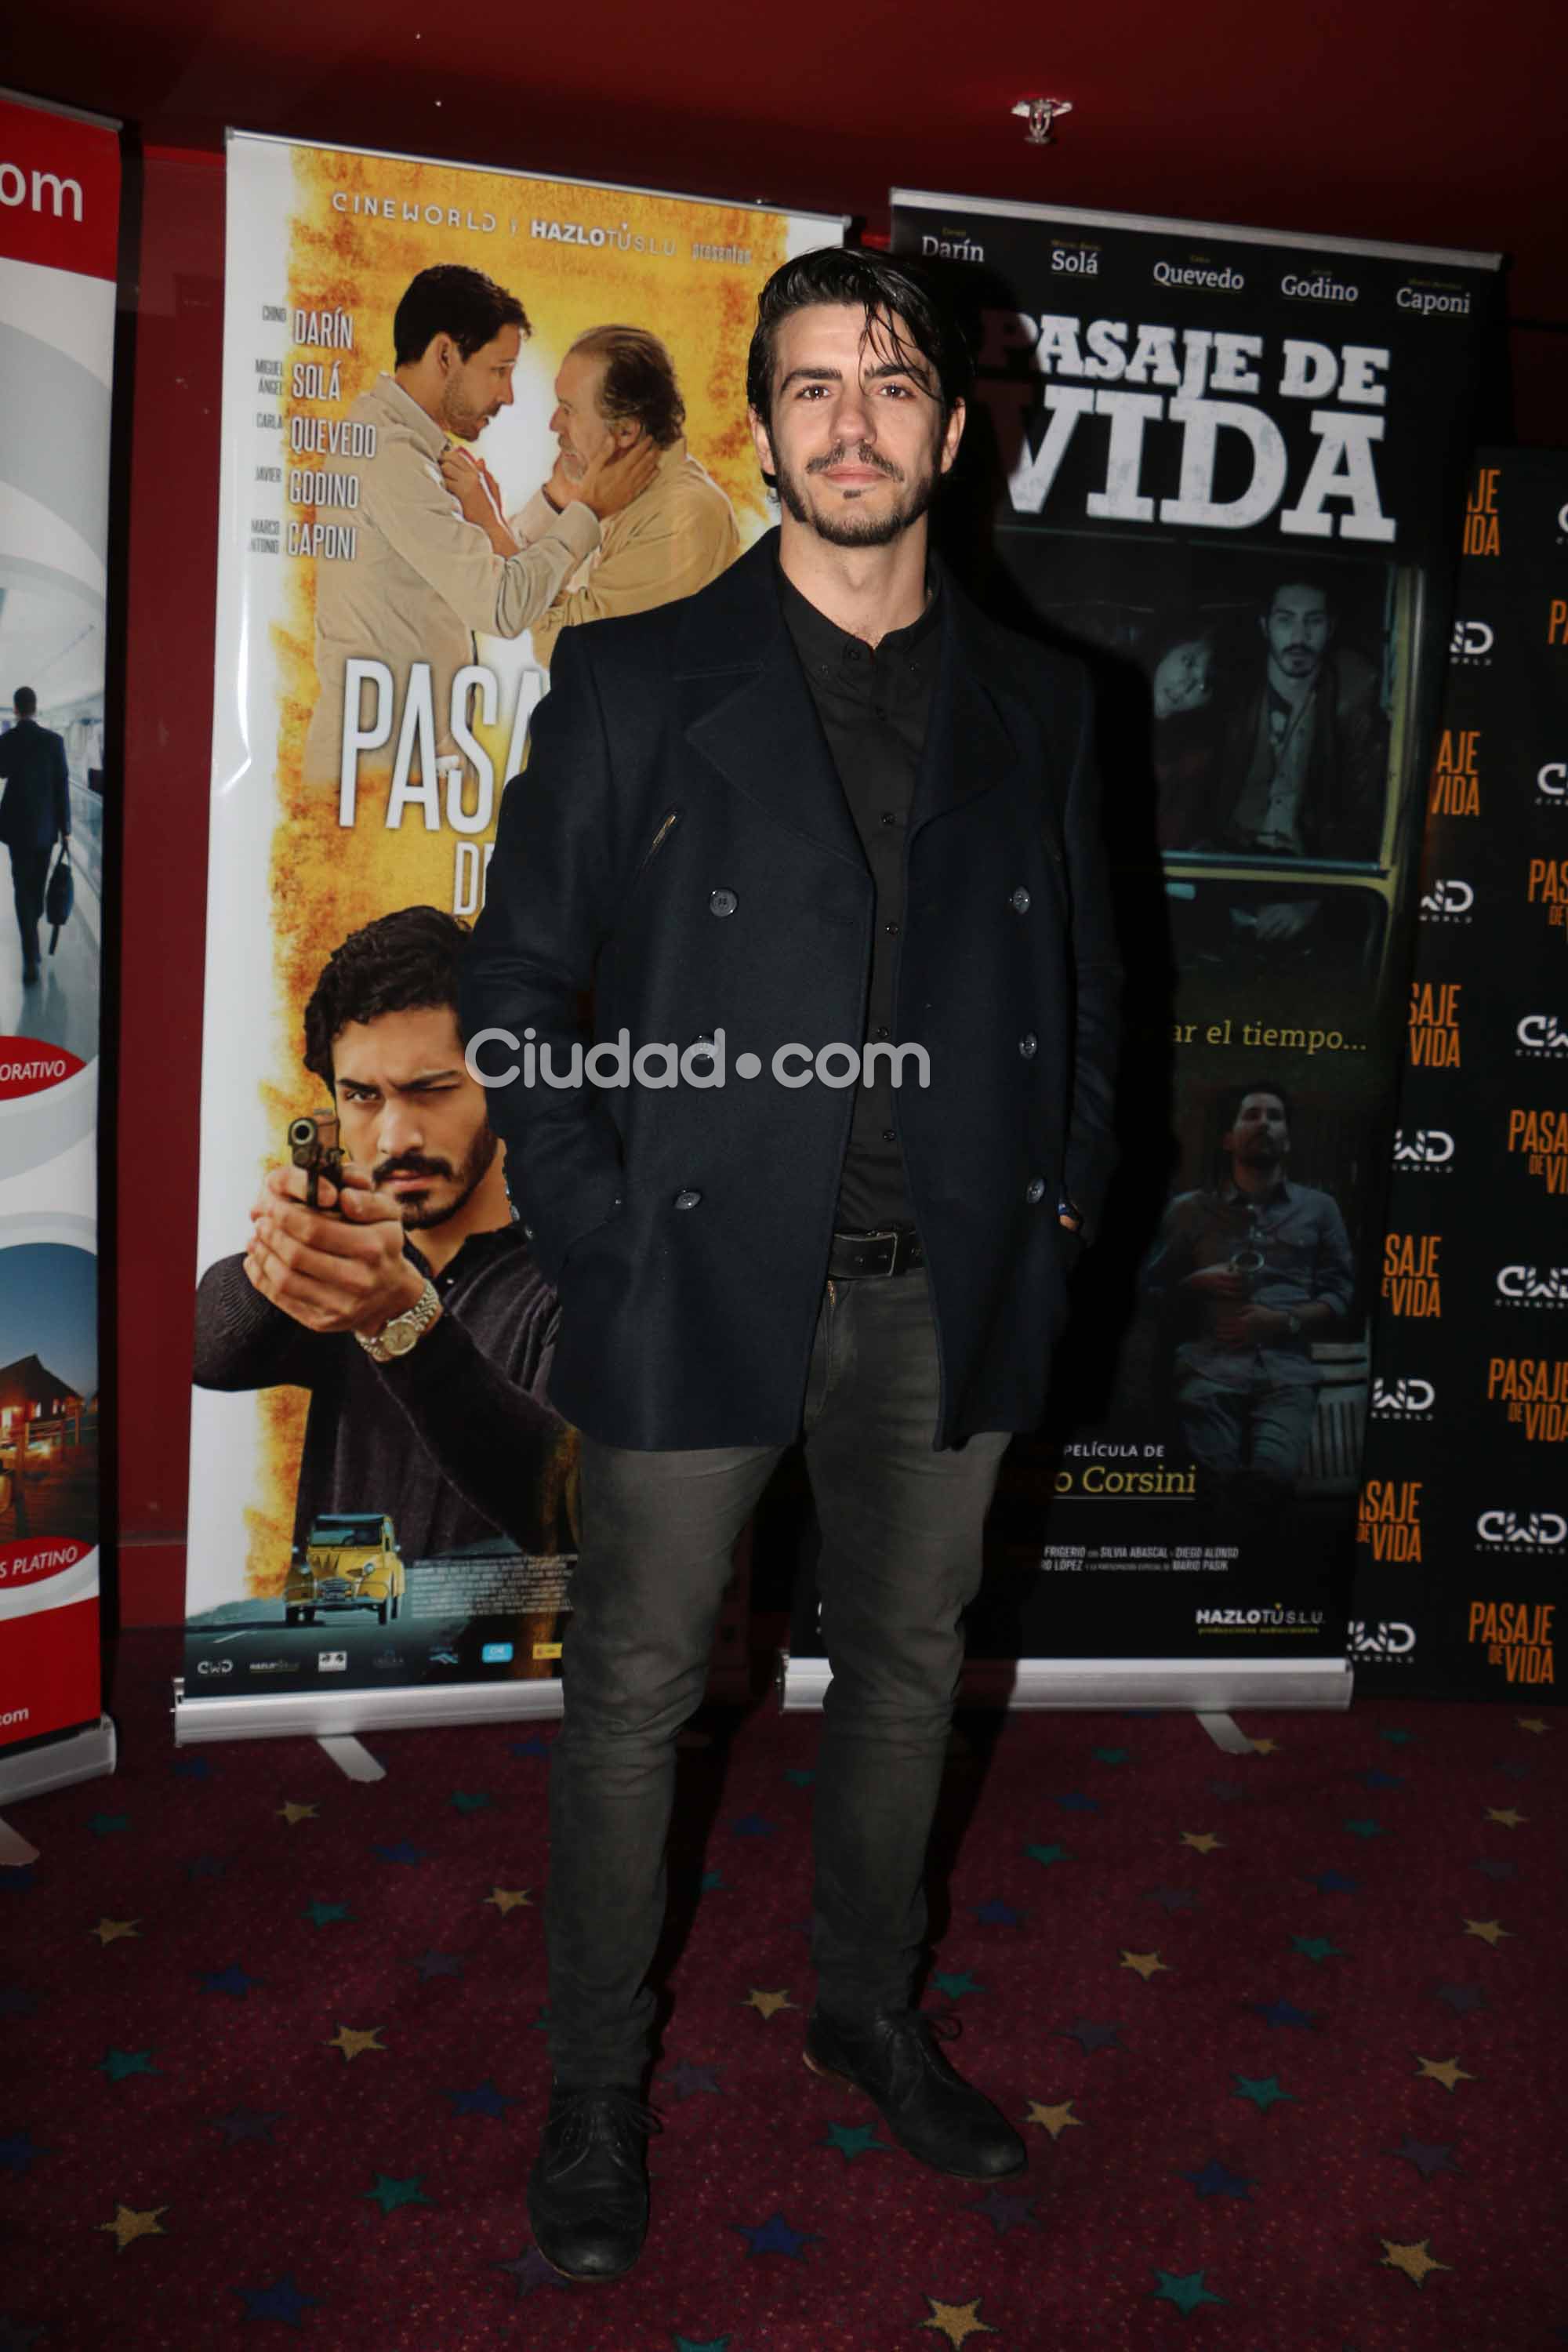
[900, 1558]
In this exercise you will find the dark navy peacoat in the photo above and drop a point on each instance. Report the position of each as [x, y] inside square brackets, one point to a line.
[679, 843]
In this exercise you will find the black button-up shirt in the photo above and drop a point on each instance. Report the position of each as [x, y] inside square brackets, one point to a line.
[875, 707]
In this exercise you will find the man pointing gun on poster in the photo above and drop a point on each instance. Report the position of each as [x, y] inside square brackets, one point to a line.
[421, 578]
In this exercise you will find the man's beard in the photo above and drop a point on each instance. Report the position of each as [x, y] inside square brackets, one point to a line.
[466, 1179]
[463, 423]
[845, 528]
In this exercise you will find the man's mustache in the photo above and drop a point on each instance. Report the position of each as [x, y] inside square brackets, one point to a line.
[839, 454]
[413, 1163]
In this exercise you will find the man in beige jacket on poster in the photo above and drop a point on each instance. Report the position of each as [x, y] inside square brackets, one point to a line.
[616, 392]
[423, 579]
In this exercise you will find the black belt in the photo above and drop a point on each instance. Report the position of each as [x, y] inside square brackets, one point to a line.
[896, 1251]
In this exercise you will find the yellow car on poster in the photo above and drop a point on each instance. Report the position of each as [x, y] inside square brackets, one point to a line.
[350, 1562]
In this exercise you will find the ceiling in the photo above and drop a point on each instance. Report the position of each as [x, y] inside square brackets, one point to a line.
[1437, 123]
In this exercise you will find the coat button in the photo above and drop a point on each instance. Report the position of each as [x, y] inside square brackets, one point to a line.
[689, 1200]
[1020, 901]
[1035, 1189]
[1029, 1045]
[722, 902]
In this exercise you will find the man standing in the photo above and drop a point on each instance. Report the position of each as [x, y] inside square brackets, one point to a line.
[821, 806]
[423, 579]
[617, 389]
[34, 813]
[1251, 1273]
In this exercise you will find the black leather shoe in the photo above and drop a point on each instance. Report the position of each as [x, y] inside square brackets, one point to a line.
[587, 2194]
[928, 2107]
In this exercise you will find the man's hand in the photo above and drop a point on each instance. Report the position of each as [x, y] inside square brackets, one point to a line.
[344, 1273]
[613, 478]
[1250, 1326]
[478, 494]
[1284, 920]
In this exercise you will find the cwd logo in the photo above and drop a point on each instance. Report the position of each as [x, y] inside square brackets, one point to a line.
[1404, 1400]
[1535, 1531]
[1552, 781]
[1472, 640]
[1541, 1034]
[332, 1661]
[1530, 1286]
[1392, 1640]
[1448, 902]
[216, 1666]
[1426, 1148]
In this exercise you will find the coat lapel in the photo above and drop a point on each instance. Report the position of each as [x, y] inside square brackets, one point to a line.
[967, 748]
[749, 710]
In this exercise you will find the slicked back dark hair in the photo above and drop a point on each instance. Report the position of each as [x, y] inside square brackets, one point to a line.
[399, 963]
[449, 300]
[638, 385]
[888, 290]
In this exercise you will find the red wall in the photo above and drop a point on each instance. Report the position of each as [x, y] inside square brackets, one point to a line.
[150, 1238]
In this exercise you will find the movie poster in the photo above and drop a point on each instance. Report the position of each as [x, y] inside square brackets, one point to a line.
[1462, 1530]
[463, 412]
[59, 230]
[1216, 467]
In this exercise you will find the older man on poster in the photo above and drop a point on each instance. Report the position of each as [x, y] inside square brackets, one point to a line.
[616, 393]
[423, 579]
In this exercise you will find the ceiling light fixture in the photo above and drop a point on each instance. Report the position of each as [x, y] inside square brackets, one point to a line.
[1041, 113]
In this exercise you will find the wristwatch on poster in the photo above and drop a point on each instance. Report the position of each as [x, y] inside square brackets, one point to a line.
[405, 1331]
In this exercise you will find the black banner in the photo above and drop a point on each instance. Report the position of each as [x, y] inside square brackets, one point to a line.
[1463, 1534]
[1226, 467]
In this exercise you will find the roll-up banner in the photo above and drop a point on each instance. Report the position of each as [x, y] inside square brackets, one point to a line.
[463, 411]
[1227, 467]
[1463, 1534]
[59, 226]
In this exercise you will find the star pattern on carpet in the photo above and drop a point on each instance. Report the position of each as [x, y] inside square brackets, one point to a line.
[242, 2124]
[403, 1854]
[530, 2271]
[508, 1899]
[1090, 2036]
[1265, 1748]
[116, 1931]
[128, 2225]
[1046, 1854]
[18, 2151]
[1317, 1947]
[751, 1825]
[1416, 2261]
[799, 1776]
[431, 1965]
[109, 1825]
[852, 2140]
[389, 2194]
[957, 2321]
[775, 2236]
[1427, 2158]
[1496, 1866]
[1075, 1802]
[1263, 2090]
[232, 1980]
[1461, 1999]
[1377, 1779]
[1506, 1817]
[1334, 1882]
[1185, 2289]
[1112, 1755]
[1006, 2209]
[714, 2343]
[484, 2099]
[955, 1984]
[997, 1914]
[326, 1915]
[1055, 2120]
[294, 1814]
[466, 1800]
[1446, 2071]
[1145, 1964]
[1365, 1828]
[119, 2065]
[1202, 1841]
[1489, 1931]
[766, 2004]
[354, 2043]
[1173, 1899]
[1217, 2180]
[1533, 1723]
[687, 2082]
[1284, 2013]
[283, 2301]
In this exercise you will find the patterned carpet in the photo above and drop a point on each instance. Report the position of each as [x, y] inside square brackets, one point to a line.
[1284, 2032]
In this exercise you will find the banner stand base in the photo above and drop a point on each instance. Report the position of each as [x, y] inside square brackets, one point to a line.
[1203, 1686]
[85, 1755]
